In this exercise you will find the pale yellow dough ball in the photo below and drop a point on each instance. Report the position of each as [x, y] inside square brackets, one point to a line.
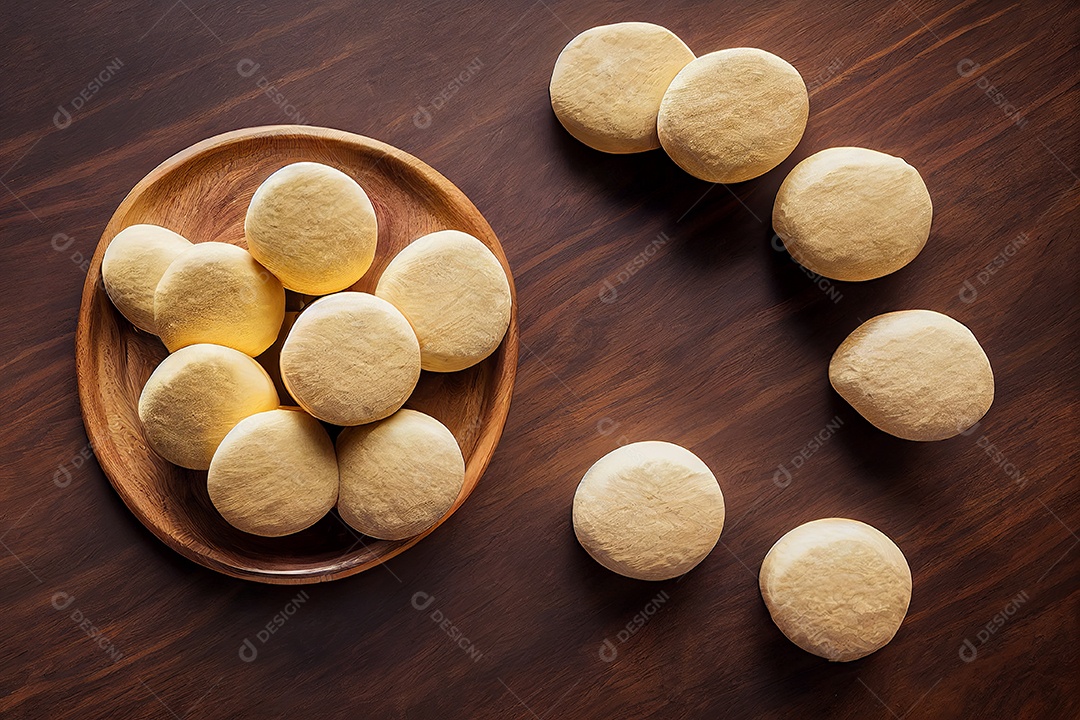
[313, 226]
[132, 266]
[196, 396]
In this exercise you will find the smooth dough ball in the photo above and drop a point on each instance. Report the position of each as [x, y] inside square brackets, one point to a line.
[196, 396]
[399, 476]
[313, 226]
[649, 510]
[216, 293]
[275, 473]
[916, 374]
[837, 588]
[608, 82]
[350, 358]
[455, 294]
[733, 115]
[853, 214]
[133, 265]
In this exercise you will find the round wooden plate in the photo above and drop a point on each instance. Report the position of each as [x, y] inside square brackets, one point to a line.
[203, 193]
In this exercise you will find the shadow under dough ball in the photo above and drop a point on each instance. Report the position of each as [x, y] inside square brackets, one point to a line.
[132, 267]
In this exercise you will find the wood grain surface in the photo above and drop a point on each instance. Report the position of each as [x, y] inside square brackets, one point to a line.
[651, 306]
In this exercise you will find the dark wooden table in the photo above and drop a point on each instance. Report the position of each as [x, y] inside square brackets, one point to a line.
[652, 306]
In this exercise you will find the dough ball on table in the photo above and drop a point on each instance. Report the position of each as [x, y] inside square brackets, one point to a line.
[837, 588]
[350, 358]
[274, 474]
[196, 396]
[313, 226]
[733, 115]
[399, 476]
[649, 510]
[133, 265]
[608, 82]
[216, 293]
[853, 214]
[916, 374]
[455, 294]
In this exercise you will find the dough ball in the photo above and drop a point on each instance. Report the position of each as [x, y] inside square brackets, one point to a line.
[313, 226]
[196, 396]
[133, 265]
[649, 510]
[853, 214]
[275, 473]
[916, 374]
[837, 588]
[399, 476]
[608, 82]
[216, 293]
[350, 358]
[733, 115]
[455, 294]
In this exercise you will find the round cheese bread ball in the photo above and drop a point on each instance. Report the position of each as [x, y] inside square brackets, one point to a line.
[649, 510]
[196, 396]
[916, 374]
[733, 115]
[216, 293]
[399, 476]
[133, 265]
[608, 82]
[274, 474]
[853, 214]
[350, 358]
[837, 588]
[313, 226]
[455, 294]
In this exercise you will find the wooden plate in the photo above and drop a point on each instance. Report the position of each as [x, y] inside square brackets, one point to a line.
[203, 193]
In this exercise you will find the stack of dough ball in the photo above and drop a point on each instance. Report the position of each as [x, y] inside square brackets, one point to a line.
[608, 82]
[455, 294]
[837, 588]
[399, 476]
[350, 358]
[216, 293]
[313, 226]
[196, 396]
[850, 213]
[916, 374]
[274, 474]
[649, 510]
[733, 115]
[133, 265]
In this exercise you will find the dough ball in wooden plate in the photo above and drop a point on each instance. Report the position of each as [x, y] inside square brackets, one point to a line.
[133, 265]
[350, 358]
[837, 588]
[649, 510]
[216, 293]
[196, 396]
[733, 115]
[851, 213]
[399, 476]
[455, 294]
[313, 226]
[608, 82]
[274, 474]
[916, 374]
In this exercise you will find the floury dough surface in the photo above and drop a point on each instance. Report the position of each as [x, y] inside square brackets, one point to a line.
[649, 510]
[133, 265]
[608, 81]
[916, 374]
[313, 226]
[733, 115]
[837, 588]
[851, 213]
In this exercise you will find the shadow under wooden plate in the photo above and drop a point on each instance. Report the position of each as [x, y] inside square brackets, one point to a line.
[203, 193]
